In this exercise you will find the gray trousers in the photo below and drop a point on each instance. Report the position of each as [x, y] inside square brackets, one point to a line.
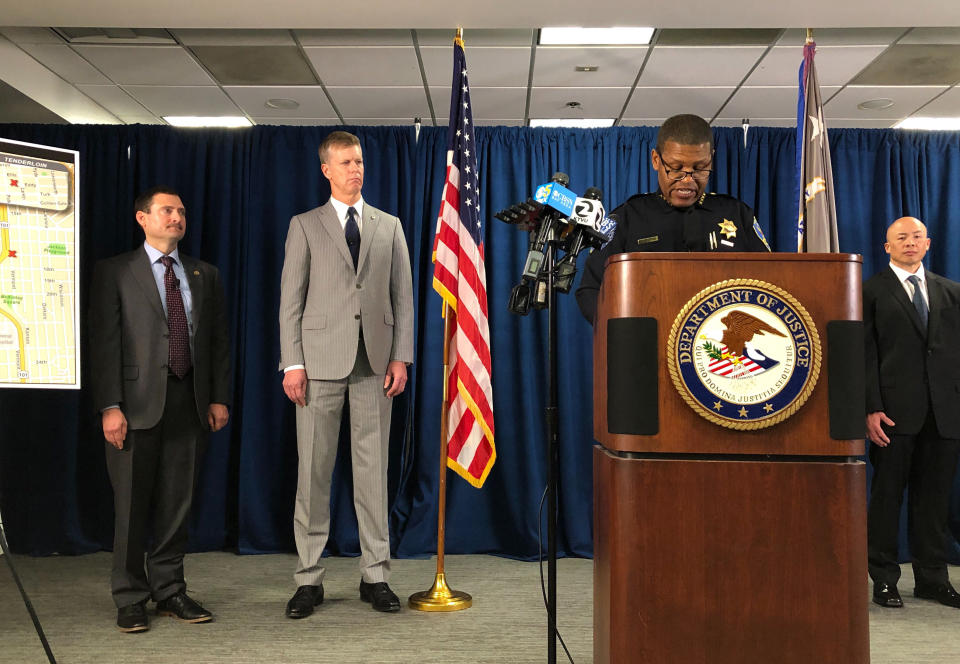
[153, 479]
[318, 429]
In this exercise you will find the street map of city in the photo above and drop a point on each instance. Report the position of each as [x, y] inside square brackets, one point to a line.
[39, 321]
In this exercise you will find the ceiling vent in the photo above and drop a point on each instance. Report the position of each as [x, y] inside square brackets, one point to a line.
[116, 35]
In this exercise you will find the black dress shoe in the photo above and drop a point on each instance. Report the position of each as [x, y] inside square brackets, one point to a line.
[302, 603]
[886, 595]
[380, 596]
[132, 618]
[945, 594]
[181, 607]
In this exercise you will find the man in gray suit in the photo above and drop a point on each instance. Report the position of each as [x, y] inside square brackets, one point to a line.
[346, 331]
[159, 350]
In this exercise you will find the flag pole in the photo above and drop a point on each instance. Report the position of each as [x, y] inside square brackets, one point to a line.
[440, 597]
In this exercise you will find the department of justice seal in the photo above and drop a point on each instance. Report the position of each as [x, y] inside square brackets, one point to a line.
[744, 354]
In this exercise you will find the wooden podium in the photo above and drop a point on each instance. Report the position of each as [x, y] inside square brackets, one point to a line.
[715, 544]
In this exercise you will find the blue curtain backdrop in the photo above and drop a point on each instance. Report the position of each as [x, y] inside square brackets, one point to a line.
[241, 188]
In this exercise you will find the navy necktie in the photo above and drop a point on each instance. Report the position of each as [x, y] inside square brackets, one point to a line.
[178, 356]
[352, 233]
[918, 302]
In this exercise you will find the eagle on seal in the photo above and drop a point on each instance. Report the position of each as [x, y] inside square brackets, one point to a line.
[741, 327]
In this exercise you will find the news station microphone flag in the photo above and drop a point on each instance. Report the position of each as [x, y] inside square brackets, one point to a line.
[817, 220]
[459, 276]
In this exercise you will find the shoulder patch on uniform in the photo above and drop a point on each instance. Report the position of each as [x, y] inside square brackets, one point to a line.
[756, 229]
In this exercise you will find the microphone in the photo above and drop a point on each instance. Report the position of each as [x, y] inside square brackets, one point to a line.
[554, 199]
[588, 210]
[608, 226]
[554, 194]
[557, 219]
[587, 217]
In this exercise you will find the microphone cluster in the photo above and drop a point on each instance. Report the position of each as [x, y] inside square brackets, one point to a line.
[556, 219]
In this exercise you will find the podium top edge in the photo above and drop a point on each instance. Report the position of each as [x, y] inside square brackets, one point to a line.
[703, 256]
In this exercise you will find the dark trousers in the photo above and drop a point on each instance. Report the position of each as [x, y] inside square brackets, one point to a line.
[924, 464]
[153, 479]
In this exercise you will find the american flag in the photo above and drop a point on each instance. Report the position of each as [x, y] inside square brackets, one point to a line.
[460, 278]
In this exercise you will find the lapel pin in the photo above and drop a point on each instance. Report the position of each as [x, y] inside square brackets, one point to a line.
[196, 273]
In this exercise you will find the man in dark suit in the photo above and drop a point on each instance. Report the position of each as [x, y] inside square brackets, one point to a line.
[160, 369]
[346, 333]
[911, 321]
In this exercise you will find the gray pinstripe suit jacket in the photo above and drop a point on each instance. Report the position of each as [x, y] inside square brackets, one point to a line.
[323, 301]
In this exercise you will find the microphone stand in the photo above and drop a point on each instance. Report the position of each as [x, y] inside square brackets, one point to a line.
[552, 422]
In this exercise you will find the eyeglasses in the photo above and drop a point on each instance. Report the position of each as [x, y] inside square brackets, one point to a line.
[678, 174]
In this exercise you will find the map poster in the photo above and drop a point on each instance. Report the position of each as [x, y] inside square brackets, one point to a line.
[39, 270]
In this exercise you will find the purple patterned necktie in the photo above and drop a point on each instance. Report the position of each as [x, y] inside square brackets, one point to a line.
[178, 359]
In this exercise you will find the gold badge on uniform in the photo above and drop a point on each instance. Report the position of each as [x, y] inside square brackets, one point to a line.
[728, 228]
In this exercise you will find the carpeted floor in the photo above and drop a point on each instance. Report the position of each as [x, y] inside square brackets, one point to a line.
[507, 623]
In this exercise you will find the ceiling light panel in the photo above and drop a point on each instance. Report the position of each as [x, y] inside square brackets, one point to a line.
[578, 35]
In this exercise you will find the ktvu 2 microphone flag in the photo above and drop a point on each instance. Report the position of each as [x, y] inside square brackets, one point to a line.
[460, 278]
[817, 221]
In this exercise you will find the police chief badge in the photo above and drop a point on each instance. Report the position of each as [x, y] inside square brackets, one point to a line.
[744, 354]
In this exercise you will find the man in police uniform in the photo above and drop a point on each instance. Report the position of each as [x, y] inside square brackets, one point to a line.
[680, 216]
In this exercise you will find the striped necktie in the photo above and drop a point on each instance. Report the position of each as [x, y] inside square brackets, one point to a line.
[178, 356]
[918, 302]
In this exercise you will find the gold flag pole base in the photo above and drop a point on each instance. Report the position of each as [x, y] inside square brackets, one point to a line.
[440, 597]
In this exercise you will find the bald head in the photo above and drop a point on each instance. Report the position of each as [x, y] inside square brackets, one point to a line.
[907, 243]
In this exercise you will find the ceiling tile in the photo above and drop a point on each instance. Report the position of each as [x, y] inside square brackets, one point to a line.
[113, 99]
[641, 122]
[594, 102]
[354, 37]
[695, 65]
[855, 123]
[836, 65]
[146, 65]
[252, 99]
[477, 37]
[768, 102]
[300, 122]
[842, 36]
[63, 61]
[18, 107]
[618, 66]
[366, 65]
[906, 100]
[717, 36]
[946, 105]
[256, 65]
[234, 37]
[755, 122]
[31, 36]
[932, 36]
[380, 102]
[519, 122]
[665, 102]
[833, 123]
[914, 64]
[487, 66]
[183, 100]
[487, 102]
